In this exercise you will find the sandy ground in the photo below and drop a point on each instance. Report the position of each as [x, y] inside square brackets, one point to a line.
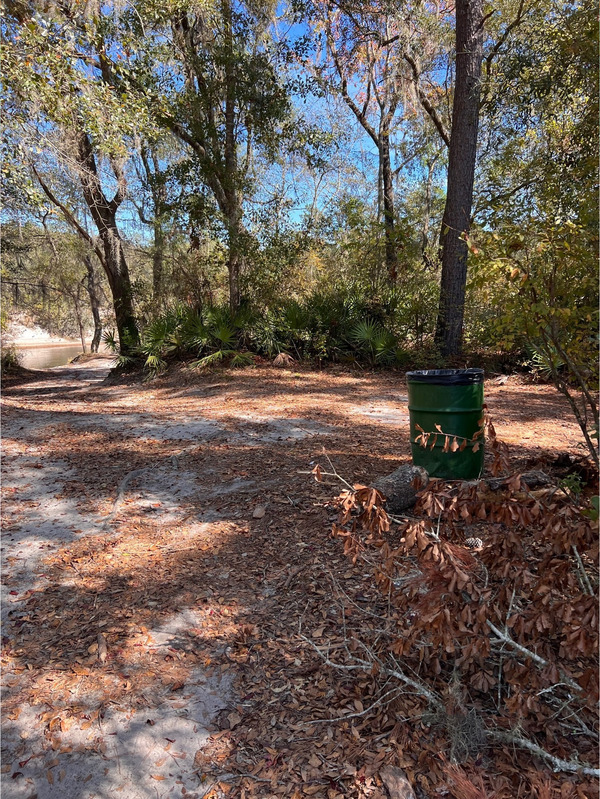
[89, 465]
[126, 753]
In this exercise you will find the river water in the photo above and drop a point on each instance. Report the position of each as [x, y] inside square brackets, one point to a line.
[45, 357]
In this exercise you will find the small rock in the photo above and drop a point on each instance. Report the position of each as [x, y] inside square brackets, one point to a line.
[398, 487]
[396, 783]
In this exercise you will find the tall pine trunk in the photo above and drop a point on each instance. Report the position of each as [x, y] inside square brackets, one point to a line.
[235, 262]
[234, 266]
[233, 210]
[461, 175]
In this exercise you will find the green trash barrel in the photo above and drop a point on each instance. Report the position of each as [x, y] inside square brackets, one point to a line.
[450, 400]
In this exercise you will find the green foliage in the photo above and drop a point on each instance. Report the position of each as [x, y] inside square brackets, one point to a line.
[9, 360]
[373, 341]
[573, 484]
[213, 336]
[546, 361]
[544, 284]
[593, 512]
[344, 327]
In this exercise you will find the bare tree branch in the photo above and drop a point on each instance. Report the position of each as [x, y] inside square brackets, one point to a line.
[424, 100]
[505, 637]
[69, 218]
[558, 763]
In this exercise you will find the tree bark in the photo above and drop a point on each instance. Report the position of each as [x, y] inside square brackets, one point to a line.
[92, 289]
[120, 286]
[234, 265]
[236, 252]
[79, 318]
[387, 176]
[156, 185]
[103, 212]
[461, 175]
[158, 257]
[234, 208]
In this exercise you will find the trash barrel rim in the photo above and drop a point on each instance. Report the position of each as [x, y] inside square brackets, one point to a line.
[446, 377]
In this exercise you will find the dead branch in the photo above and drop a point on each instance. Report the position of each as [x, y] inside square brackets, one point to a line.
[121, 493]
[583, 578]
[505, 637]
[366, 665]
[558, 763]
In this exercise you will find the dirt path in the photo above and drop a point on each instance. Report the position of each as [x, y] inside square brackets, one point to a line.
[164, 552]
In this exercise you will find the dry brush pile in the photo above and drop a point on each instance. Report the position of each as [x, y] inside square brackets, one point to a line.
[489, 620]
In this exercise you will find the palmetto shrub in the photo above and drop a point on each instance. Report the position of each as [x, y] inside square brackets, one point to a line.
[339, 325]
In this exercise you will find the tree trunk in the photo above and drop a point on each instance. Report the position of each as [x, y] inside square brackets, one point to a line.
[236, 254]
[76, 296]
[158, 257]
[391, 253]
[427, 209]
[81, 328]
[235, 262]
[120, 286]
[461, 174]
[231, 165]
[104, 213]
[92, 289]
[158, 190]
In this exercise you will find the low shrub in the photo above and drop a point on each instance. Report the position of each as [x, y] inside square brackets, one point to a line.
[9, 360]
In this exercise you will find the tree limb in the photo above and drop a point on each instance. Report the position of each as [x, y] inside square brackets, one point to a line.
[69, 218]
[359, 114]
[509, 28]
[424, 100]
[121, 192]
[505, 637]
[558, 763]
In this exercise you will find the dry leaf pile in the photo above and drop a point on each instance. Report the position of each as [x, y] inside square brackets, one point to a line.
[500, 644]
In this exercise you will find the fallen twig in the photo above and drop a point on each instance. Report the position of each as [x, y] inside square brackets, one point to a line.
[584, 579]
[121, 493]
[505, 637]
[558, 763]
[365, 665]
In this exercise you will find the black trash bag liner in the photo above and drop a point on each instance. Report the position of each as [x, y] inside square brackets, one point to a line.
[446, 377]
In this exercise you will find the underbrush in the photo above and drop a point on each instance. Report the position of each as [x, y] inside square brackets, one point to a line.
[9, 360]
[345, 328]
[487, 631]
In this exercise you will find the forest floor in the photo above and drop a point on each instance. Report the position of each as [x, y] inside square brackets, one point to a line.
[167, 561]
